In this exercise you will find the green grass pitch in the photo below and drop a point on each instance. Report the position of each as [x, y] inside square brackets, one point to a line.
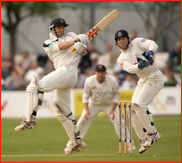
[47, 142]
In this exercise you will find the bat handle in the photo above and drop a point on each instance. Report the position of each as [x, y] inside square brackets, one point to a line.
[73, 49]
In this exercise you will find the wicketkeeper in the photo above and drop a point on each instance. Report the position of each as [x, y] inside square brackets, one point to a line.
[62, 80]
[137, 57]
[101, 93]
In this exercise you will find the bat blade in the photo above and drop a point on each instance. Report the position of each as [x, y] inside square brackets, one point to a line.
[102, 25]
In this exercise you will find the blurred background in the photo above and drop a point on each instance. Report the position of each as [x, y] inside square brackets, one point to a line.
[25, 27]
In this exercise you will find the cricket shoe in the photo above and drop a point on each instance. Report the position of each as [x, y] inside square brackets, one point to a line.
[142, 148]
[151, 139]
[26, 125]
[68, 145]
[79, 147]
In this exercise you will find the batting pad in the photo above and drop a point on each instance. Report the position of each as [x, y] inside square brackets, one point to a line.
[151, 119]
[138, 127]
[70, 128]
[142, 115]
[34, 99]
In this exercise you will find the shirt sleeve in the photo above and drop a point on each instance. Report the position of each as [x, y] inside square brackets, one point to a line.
[51, 47]
[117, 92]
[87, 92]
[54, 47]
[147, 44]
[127, 66]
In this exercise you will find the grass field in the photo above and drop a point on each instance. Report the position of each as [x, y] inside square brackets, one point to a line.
[47, 142]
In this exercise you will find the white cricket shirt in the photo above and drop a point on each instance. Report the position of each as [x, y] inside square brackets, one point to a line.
[61, 57]
[128, 58]
[101, 94]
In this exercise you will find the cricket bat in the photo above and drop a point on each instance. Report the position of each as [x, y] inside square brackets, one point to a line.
[102, 25]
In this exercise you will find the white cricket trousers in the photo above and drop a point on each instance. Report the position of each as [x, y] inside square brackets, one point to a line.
[84, 124]
[62, 80]
[144, 93]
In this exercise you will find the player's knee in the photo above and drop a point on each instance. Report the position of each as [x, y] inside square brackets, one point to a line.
[139, 106]
[134, 116]
[136, 106]
[31, 89]
[133, 113]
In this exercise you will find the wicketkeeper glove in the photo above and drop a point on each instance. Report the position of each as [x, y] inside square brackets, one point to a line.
[82, 38]
[142, 63]
[149, 56]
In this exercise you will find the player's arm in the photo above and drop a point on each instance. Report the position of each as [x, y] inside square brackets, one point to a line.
[65, 45]
[82, 38]
[85, 98]
[87, 92]
[116, 91]
[86, 106]
[111, 113]
[54, 46]
[114, 106]
[80, 48]
[127, 66]
[116, 98]
[87, 112]
[150, 48]
[147, 44]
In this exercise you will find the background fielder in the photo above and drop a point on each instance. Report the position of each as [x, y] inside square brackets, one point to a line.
[101, 93]
[137, 57]
[58, 48]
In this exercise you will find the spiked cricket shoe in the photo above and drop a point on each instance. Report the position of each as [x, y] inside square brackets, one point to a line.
[26, 125]
[152, 138]
[68, 145]
[79, 147]
[142, 148]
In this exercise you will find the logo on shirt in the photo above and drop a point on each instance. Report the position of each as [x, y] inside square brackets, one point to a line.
[94, 87]
[143, 40]
[102, 94]
[49, 45]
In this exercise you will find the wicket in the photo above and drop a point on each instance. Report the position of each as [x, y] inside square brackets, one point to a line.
[125, 126]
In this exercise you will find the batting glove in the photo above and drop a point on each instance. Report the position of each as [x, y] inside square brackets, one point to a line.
[142, 63]
[82, 38]
[79, 47]
[149, 56]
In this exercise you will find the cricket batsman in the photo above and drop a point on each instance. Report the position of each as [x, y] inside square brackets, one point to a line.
[61, 81]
